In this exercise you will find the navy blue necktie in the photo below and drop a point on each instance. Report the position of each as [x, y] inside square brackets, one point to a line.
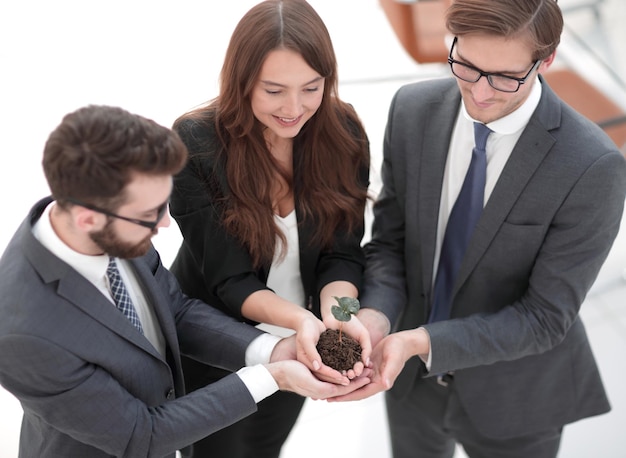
[461, 224]
[121, 296]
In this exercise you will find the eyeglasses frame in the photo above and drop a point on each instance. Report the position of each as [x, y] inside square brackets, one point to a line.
[149, 224]
[487, 75]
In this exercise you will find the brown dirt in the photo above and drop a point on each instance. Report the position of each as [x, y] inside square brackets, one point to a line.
[338, 355]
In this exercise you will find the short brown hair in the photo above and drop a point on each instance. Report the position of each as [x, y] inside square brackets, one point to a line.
[541, 21]
[92, 155]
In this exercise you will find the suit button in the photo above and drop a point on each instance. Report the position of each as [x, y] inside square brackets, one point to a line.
[170, 395]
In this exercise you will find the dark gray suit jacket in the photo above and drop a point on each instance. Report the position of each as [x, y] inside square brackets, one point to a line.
[522, 359]
[89, 384]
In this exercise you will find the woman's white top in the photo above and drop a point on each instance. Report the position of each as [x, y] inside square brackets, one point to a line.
[284, 276]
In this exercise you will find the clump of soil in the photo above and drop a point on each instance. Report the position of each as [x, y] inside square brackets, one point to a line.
[340, 355]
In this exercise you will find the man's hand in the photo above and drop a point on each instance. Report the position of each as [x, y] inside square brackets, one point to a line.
[284, 350]
[296, 377]
[388, 359]
[375, 322]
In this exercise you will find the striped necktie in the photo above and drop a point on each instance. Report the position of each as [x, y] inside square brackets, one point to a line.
[121, 296]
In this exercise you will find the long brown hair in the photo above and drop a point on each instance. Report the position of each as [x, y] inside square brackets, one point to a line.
[330, 152]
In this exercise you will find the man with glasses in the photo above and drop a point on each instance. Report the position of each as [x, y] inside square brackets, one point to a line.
[93, 326]
[483, 249]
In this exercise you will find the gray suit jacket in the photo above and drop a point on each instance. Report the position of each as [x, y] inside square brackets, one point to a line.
[520, 354]
[89, 384]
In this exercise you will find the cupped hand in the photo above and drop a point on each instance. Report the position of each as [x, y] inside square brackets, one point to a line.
[355, 329]
[296, 377]
[307, 336]
[388, 359]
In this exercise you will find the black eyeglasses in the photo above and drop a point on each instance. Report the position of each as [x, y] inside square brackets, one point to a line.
[497, 81]
[149, 224]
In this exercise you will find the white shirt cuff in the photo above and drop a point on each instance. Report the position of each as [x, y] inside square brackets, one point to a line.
[428, 361]
[260, 349]
[259, 381]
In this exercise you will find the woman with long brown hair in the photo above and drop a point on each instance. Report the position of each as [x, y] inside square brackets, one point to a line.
[271, 204]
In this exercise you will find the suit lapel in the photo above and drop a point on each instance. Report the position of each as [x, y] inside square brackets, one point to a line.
[434, 152]
[158, 302]
[86, 297]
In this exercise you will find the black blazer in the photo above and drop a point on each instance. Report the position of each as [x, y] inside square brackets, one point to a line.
[215, 267]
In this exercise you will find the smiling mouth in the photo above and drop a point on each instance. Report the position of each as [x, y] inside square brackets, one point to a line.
[288, 121]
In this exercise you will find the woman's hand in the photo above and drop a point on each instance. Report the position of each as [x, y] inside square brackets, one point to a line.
[266, 307]
[355, 329]
[307, 335]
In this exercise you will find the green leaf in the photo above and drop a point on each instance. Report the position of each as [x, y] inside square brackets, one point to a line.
[347, 307]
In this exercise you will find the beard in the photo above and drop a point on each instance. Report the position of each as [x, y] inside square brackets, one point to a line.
[112, 245]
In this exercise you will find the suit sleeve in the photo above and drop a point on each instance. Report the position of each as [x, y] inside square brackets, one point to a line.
[203, 332]
[385, 276]
[81, 399]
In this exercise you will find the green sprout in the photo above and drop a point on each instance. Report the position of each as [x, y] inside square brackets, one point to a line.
[347, 306]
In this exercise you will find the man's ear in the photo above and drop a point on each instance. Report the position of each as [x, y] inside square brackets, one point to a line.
[547, 62]
[87, 220]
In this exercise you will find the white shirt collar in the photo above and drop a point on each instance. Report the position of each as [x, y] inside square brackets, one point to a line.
[93, 268]
[517, 120]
